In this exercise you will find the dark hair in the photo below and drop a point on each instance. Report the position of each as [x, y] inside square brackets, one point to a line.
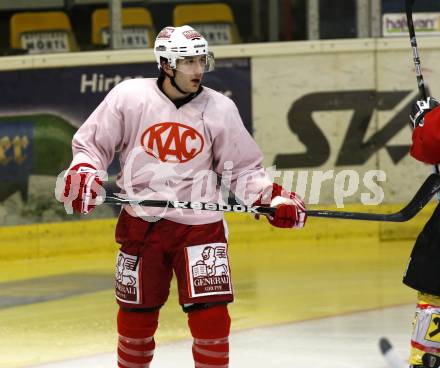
[162, 61]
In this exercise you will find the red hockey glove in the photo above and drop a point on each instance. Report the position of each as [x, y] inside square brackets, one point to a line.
[290, 212]
[426, 138]
[81, 187]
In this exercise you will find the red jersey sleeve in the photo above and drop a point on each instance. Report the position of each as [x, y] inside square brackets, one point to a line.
[426, 139]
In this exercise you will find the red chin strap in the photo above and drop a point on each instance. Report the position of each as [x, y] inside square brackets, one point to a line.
[175, 85]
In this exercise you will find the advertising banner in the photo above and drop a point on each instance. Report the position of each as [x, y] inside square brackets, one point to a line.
[335, 125]
[395, 25]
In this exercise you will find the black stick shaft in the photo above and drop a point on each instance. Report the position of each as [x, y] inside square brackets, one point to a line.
[416, 58]
[415, 52]
[422, 197]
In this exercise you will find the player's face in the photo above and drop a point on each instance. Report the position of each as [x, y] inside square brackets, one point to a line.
[189, 72]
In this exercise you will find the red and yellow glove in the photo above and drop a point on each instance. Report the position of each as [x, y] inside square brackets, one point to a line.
[82, 185]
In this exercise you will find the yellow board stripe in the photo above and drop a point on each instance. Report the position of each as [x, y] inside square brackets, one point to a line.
[96, 236]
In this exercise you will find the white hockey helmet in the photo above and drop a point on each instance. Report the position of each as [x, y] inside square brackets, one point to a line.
[173, 43]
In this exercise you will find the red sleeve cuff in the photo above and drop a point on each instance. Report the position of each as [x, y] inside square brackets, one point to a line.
[83, 164]
[265, 199]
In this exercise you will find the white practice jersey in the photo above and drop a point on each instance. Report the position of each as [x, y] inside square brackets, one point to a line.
[172, 153]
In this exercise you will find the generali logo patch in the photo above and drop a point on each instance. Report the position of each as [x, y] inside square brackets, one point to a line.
[172, 142]
[207, 269]
[128, 276]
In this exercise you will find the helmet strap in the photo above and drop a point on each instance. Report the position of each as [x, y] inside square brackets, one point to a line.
[174, 84]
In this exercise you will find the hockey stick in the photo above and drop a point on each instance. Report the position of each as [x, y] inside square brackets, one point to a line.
[390, 355]
[395, 361]
[422, 197]
[415, 52]
[416, 58]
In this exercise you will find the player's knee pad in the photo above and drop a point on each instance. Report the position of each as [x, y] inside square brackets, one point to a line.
[210, 328]
[208, 322]
[425, 339]
[137, 323]
[136, 337]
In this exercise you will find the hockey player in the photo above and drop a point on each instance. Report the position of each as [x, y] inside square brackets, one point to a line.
[168, 131]
[423, 271]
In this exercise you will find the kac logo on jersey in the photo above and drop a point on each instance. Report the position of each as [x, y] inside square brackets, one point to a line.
[172, 142]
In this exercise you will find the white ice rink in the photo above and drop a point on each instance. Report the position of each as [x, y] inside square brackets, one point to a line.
[349, 341]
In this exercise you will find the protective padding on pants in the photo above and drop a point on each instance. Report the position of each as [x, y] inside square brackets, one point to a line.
[210, 329]
[136, 338]
[426, 328]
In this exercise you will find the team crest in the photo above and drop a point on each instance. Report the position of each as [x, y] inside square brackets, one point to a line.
[192, 35]
[172, 142]
[165, 33]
